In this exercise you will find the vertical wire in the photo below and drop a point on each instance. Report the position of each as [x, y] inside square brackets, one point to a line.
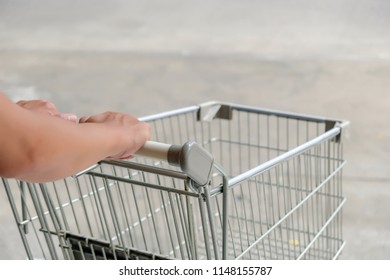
[268, 138]
[118, 205]
[154, 224]
[87, 218]
[237, 218]
[268, 224]
[207, 204]
[278, 184]
[139, 217]
[227, 197]
[176, 223]
[254, 217]
[278, 230]
[240, 154]
[125, 199]
[286, 231]
[321, 204]
[61, 205]
[312, 182]
[333, 198]
[250, 187]
[270, 196]
[122, 196]
[244, 210]
[230, 172]
[338, 199]
[103, 220]
[112, 212]
[260, 218]
[328, 196]
[193, 237]
[168, 224]
[294, 198]
[172, 133]
[195, 129]
[179, 131]
[340, 190]
[287, 197]
[272, 208]
[97, 206]
[250, 145]
[258, 137]
[245, 220]
[300, 231]
[318, 203]
[187, 128]
[184, 222]
[209, 131]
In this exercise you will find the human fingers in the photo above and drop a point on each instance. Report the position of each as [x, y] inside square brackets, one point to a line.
[68, 117]
[98, 118]
[116, 118]
[83, 119]
[39, 105]
[47, 107]
[136, 135]
[130, 133]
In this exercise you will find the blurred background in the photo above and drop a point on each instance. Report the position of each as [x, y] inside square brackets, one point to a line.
[328, 58]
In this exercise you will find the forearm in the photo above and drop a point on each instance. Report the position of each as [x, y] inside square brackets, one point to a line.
[40, 148]
[53, 149]
[67, 149]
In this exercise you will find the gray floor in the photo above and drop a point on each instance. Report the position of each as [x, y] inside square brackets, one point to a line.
[329, 58]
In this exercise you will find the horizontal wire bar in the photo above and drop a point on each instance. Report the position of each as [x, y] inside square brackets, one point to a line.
[139, 183]
[169, 114]
[284, 157]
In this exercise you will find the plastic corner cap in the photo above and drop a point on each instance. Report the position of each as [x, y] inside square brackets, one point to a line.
[196, 162]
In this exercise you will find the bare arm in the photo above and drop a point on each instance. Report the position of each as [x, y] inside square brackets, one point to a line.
[38, 147]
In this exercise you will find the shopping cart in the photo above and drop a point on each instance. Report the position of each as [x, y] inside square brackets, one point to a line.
[266, 185]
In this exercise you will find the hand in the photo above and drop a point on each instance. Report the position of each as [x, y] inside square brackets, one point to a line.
[47, 107]
[131, 134]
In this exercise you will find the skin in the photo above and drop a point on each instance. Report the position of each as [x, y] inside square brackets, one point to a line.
[40, 144]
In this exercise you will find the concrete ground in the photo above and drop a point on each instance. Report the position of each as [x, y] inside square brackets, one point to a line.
[329, 58]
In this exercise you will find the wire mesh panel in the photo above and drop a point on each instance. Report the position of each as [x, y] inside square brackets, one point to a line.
[275, 192]
[290, 211]
[122, 205]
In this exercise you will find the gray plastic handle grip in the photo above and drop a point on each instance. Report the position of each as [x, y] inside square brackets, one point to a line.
[192, 159]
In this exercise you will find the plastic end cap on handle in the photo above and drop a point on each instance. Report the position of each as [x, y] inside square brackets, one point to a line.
[193, 160]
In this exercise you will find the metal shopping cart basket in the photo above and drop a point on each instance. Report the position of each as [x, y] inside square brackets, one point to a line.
[247, 183]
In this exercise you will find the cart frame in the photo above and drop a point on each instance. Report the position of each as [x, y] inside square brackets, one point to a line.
[275, 192]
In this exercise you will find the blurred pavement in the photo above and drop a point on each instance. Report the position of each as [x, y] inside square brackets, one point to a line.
[329, 58]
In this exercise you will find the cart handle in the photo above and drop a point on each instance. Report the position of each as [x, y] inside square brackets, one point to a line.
[193, 160]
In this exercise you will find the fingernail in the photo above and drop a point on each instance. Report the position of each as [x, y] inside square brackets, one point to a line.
[73, 118]
[70, 117]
